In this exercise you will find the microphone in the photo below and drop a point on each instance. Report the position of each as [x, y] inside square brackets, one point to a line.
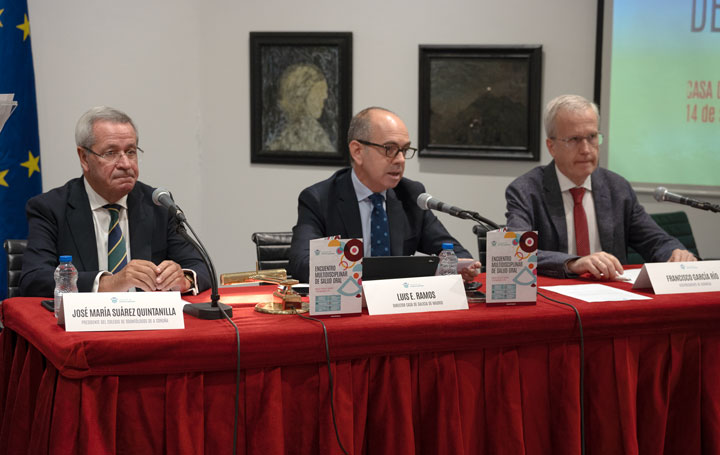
[426, 202]
[662, 194]
[205, 310]
[162, 197]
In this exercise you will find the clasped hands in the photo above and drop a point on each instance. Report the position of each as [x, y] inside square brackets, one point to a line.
[142, 274]
[605, 266]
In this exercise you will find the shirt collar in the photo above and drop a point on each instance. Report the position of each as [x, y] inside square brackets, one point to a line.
[361, 191]
[97, 201]
[566, 184]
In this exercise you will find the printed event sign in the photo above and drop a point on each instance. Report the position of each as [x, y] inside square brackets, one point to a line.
[415, 295]
[335, 276]
[511, 266]
[115, 311]
[680, 277]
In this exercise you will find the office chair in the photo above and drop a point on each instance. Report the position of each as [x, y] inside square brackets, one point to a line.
[15, 249]
[675, 224]
[273, 249]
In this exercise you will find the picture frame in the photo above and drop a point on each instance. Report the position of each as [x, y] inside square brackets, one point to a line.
[300, 97]
[480, 102]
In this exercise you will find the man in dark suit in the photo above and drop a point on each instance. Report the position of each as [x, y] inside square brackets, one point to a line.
[379, 144]
[75, 219]
[544, 200]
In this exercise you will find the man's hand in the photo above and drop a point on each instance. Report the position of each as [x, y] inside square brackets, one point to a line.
[601, 265]
[468, 268]
[168, 276]
[138, 273]
[679, 255]
[171, 277]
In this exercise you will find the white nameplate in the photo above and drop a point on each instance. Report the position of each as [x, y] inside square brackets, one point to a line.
[415, 295]
[112, 311]
[679, 277]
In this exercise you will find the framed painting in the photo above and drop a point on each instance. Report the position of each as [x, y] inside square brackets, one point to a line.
[300, 97]
[480, 102]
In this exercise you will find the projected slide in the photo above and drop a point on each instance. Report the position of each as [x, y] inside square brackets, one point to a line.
[664, 124]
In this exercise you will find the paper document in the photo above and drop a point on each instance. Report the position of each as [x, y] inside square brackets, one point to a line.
[595, 293]
[7, 106]
[629, 276]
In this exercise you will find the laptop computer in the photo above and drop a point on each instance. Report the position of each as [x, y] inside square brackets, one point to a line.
[386, 267]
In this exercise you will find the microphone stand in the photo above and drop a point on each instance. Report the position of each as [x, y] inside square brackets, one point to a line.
[205, 310]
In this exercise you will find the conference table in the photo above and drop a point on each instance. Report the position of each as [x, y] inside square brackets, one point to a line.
[490, 379]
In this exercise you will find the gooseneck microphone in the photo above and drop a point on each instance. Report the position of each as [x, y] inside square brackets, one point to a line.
[207, 310]
[162, 197]
[662, 194]
[426, 202]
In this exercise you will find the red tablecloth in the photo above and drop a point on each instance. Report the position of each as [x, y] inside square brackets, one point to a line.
[486, 380]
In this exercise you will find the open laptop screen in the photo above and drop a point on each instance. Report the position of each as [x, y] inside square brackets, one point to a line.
[386, 267]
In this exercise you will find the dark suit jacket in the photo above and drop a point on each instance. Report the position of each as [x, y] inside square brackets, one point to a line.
[60, 223]
[331, 208]
[534, 203]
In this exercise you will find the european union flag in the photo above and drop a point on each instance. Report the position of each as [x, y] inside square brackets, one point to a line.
[19, 143]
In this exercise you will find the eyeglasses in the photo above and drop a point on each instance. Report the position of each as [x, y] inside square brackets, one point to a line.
[392, 150]
[132, 154]
[593, 139]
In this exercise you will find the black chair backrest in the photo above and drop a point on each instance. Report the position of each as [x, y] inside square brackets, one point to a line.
[675, 224]
[15, 249]
[273, 249]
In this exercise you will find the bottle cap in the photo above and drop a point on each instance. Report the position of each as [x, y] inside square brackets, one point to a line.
[447, 246]
[65, 258]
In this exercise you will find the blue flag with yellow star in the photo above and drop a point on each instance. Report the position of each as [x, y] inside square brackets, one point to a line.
[19, 143]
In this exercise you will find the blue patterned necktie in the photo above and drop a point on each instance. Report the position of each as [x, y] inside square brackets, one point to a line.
[117, 252]
[379, 232]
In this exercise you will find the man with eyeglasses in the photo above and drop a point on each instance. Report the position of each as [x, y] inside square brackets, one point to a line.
[586, 216]
[119, 240]
[346, 203]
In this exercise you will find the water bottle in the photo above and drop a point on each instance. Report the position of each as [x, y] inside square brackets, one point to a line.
[66, 277]
[448, 261]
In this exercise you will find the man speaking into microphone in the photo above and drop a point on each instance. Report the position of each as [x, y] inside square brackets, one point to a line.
[118, 238]
[586, 216]
[372, 200]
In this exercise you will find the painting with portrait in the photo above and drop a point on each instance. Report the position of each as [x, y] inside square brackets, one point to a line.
[480, 102]
[300, 97]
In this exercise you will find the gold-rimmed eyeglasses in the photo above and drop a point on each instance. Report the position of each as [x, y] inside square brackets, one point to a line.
[114, 156]
[392, 150]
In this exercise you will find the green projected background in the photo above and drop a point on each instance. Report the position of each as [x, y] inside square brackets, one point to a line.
[664, 124]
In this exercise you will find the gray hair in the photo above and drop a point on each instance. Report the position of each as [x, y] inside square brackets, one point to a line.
[361, 126]
[572, 103]
[84, 136]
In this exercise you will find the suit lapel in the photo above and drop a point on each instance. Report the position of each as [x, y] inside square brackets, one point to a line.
[140, 222]
[554, 205]
[603, 208]
[347, 205]
[81, 226]
[397, 222]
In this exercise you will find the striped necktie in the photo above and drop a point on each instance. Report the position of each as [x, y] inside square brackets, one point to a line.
[117, 252]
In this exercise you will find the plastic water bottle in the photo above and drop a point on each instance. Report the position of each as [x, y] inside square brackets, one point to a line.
[448, 261]
[66, 277]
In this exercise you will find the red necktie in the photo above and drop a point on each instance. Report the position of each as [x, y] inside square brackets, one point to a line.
[582, 238]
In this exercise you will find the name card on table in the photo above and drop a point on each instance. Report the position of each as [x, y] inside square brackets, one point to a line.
[415, 295]
[114, 311]
[679, 277]
[511, 267]
[335, 276]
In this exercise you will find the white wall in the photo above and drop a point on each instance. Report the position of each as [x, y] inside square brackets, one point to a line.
[180, 68]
